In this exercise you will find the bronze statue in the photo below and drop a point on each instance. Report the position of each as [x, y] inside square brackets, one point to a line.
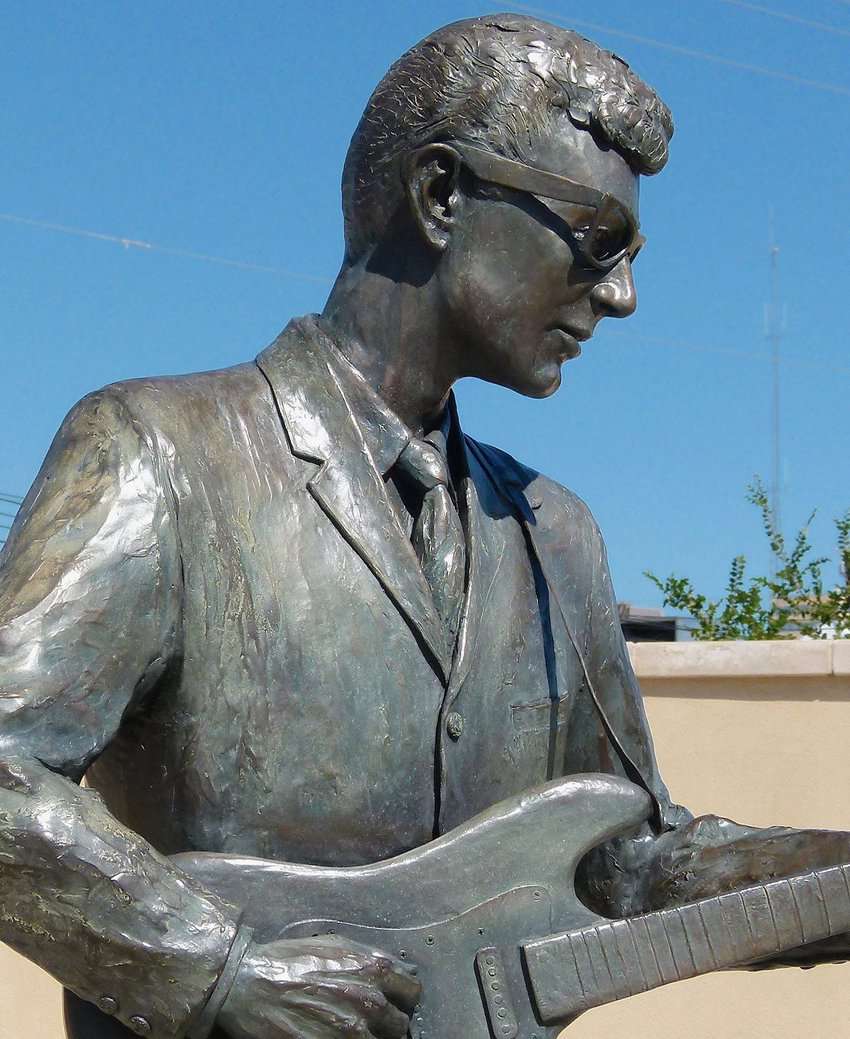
[288, 610]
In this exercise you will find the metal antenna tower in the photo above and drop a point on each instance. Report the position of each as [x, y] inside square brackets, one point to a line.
[774, 321]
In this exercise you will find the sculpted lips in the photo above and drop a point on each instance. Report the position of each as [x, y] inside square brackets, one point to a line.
[571, 338]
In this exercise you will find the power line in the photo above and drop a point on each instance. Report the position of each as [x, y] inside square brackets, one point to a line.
[8, 499]
[770, 12]
[135, 243]
[728, 351]
[759, 70]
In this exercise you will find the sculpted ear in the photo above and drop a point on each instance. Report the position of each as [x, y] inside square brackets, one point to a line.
[431, 183]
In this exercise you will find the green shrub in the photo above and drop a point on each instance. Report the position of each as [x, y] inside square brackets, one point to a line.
[790, 604]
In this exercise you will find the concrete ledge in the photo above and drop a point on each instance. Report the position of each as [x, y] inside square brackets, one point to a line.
[841, 657]
[794, 658]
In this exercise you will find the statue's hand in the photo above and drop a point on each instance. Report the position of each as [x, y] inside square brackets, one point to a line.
[318, 988]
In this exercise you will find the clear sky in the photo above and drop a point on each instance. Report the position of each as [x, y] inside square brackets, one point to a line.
[220, 129]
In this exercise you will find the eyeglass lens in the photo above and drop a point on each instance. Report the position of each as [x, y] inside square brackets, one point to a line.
[610, 237]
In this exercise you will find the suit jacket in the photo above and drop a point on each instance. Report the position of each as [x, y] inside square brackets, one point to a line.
[208, 606]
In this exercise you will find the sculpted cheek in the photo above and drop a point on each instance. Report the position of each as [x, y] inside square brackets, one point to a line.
[491, 276]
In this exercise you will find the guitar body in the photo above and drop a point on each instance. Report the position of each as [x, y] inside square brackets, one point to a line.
[457, 909]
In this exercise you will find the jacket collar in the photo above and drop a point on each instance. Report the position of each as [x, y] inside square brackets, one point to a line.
[333, 418]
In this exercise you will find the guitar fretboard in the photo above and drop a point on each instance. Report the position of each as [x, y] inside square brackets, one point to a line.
[590, 966]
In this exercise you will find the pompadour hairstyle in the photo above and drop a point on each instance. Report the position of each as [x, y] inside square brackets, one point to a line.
[494, 82]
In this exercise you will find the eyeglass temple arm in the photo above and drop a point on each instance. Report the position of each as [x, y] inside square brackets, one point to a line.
[510, 174]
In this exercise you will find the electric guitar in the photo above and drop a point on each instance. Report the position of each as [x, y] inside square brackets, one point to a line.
[488, 917]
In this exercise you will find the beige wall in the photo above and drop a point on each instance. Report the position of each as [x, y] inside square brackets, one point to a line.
[757, 732]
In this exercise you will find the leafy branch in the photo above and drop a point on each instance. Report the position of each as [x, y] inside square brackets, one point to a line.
[789, 604]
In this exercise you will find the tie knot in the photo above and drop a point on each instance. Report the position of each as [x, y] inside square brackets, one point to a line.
[424, 463]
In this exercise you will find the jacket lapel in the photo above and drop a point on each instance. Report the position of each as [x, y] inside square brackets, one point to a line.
[514, 494]
[308, 383]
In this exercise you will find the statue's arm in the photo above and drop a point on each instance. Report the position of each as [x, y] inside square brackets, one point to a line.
[89, 620]
[612, 678]
[693, 858]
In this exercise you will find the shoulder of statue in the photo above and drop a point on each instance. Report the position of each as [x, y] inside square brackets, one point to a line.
[154, 393]
[550, 501]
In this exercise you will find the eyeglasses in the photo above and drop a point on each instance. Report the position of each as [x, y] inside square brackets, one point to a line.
[612, 234]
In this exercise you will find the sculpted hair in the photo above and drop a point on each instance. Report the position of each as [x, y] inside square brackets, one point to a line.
[495, 82]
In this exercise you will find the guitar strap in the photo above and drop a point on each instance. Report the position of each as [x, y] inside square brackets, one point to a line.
[519, 504]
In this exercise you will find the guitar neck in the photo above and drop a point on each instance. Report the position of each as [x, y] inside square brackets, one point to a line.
[587, 967]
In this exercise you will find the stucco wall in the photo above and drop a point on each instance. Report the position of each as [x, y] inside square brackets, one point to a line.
[758, 732]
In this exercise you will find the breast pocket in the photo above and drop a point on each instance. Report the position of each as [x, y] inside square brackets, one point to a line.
[540, 716]
[540, 738]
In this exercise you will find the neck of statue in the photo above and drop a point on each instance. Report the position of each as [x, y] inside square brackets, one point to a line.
[389, 328]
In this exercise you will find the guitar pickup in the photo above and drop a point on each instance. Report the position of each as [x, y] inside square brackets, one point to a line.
[493, 979]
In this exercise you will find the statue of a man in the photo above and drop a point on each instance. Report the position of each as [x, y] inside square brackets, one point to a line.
[289, 610]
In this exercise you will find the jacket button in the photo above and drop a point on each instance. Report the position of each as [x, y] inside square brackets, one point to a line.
[454, 724]
[108, 1005]
[140, 1025]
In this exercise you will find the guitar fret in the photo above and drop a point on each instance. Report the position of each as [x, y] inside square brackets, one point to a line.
[709, 943]
[772, 917]
[577, 987]
[812, 915]
[835, 899]
[746, 918]
[760, 922]
[630, 956]
[649, 965]
[613, 959]
[789, 927]
[589, 987]
[675, 929]
[798, 916]
[662, 948]
[824, 902]
[736, 922]
[717, 932]
[698, 941]
[606, 989]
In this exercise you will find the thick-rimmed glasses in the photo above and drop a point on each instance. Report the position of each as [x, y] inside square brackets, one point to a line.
[612, 234]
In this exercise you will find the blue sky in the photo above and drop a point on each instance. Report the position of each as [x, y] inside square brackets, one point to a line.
[220, 129]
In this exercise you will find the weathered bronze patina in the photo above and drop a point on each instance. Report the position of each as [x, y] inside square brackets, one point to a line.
[288, 610]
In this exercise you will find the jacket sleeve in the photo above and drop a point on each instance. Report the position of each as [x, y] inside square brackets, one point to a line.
[691, 858]
[611, 685]
[89, 621]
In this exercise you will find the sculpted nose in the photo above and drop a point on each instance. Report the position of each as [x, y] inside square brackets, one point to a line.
[615, 295]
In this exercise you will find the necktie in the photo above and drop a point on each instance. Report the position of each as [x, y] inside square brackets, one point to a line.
[437, 533]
